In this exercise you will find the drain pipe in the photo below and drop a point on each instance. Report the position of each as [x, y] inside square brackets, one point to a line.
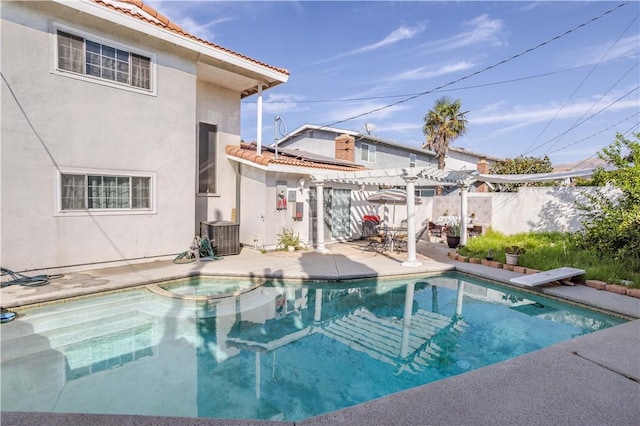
[259, 121]
[275, 133]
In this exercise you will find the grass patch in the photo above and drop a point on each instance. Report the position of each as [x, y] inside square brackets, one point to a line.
[550, 250]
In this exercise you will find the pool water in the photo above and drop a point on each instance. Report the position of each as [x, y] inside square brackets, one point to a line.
[284, 351]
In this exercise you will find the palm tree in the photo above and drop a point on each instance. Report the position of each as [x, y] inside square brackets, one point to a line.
[442, 125]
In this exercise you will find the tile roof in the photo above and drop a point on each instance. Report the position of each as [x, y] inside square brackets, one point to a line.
[248, 151]
[153, 17]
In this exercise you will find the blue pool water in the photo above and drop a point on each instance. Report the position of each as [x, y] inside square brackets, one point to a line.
[284, 351]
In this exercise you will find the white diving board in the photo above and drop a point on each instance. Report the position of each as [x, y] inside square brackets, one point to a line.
[547, 276]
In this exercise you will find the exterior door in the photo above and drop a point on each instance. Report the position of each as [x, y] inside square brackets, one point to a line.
[340, 211]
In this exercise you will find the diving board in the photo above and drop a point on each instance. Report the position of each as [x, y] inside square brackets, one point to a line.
[547, 276]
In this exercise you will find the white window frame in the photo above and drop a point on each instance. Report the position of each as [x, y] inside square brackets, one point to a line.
[55, 27]
[412, 160]
[370, 151]
[103, 211]
[420, 192]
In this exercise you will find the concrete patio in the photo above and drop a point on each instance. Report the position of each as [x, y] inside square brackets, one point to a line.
[590, 380]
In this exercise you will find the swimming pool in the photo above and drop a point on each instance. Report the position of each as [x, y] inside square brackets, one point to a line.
[284, 351]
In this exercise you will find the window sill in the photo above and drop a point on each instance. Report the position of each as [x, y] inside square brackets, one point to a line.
[105, 212]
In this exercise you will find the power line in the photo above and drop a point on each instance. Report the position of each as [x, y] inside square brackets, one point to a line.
[595, 134]
[476, 86]
[502, 62]
[576, 166]
[579, 123]
[586, 77]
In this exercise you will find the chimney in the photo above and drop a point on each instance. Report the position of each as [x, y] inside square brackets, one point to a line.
[346, 148]
[483, 168]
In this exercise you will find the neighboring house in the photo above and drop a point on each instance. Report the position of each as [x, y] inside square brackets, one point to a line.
[376, 153]
[114, 127]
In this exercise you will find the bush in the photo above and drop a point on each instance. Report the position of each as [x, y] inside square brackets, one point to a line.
[613, 225]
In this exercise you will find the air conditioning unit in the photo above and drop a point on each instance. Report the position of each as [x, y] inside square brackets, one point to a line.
[224, 236]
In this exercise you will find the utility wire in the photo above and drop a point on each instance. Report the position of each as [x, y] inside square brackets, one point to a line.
[585, 113]
[502, 62]
[584, 80]
[476, 86]
[577, 124]
[595, 134]
[576, 166]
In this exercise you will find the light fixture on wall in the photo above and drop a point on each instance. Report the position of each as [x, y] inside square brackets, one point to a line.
[301, 184]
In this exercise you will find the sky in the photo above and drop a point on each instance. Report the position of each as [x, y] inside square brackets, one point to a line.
[534, 78]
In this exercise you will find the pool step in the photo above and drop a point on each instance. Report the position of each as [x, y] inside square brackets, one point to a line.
[68, 314]
[112, 328]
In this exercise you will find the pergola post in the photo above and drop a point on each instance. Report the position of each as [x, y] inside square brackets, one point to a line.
[320, 248]
[410, 181]
[464, 190]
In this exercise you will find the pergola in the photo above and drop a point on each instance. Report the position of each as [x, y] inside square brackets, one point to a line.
[421, 176]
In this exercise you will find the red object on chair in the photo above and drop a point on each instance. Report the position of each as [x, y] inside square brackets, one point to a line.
[371, 218]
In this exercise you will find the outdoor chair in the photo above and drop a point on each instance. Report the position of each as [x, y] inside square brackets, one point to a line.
[402, 240]
[377, 243]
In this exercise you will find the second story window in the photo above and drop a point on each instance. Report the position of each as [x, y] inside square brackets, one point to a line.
[368, 153]
[92, 58]
[412, 160]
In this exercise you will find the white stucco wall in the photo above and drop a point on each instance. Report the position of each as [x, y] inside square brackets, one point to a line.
[538, 209]
[221, 107]
[64, 122]
[531, 209]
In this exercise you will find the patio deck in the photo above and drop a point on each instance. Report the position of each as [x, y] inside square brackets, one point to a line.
[593, 379]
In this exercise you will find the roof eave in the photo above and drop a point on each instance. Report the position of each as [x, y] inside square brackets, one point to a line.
[269, 77]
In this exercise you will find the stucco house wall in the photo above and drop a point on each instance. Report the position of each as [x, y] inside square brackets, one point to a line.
[221, 107]
[54, 123]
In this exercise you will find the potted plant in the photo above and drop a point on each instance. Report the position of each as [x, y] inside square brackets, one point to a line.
[289, 240]
[512, 253]
[453, 235]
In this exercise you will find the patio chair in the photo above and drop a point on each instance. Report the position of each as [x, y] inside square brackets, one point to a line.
[402, 240]
[377, 243]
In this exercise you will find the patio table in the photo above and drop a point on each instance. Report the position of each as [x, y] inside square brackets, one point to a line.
[391, 232]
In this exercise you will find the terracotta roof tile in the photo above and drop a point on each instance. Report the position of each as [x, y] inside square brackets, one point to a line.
[164, 22]
[249, 152]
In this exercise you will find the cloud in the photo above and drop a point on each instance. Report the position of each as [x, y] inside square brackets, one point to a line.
[625, 47]
[479, 30]
[423, 73]
[523, 115]
[353, 110]
[275, 103]
[397, 35]
[179, 12]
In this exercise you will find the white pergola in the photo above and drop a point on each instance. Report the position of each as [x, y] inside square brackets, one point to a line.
[421, 176]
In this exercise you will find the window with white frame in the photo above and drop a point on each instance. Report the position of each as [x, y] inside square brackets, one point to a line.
[368, 153]
[425, 192]
[207, 142]
[89, 191]
[412, 160]
[93, 58]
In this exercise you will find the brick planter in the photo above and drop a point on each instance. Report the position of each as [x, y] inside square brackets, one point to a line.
[633, 292]
[519, 269]
[485, 262]
[462, 258]
[531, 271]
[615, 288]
[474, 260]
[507, 267]
[598, 285]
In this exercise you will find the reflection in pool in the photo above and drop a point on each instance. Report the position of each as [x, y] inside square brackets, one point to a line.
[284, 351]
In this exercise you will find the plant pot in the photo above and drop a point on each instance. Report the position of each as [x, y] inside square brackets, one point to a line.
[512, 259]
[453, 242]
